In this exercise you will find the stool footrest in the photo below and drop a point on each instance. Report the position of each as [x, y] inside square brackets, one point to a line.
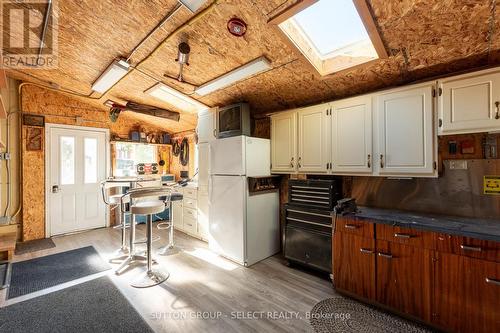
[144, 241]
[164, 225]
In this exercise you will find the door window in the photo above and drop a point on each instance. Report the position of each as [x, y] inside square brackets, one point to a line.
[90, 149]
[67, 160]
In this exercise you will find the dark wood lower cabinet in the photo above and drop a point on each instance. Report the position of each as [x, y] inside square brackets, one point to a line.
[466, 294]
[449, 282]
[404, 278]
[354, 264]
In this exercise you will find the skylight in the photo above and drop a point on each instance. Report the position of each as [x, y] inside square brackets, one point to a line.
[332, 35]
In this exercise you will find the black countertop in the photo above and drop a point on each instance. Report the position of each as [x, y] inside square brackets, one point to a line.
[486, 229]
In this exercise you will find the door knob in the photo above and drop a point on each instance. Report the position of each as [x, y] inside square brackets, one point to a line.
[55, 189]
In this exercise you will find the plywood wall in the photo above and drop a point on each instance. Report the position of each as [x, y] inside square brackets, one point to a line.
[58, 109]
[175, 165]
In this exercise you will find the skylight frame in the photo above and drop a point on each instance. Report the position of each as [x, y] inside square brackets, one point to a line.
[294, 35]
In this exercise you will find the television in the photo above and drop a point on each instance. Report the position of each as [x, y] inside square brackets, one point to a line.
[233, 120]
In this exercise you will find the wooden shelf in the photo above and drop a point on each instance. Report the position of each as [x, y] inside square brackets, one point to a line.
[141, 143]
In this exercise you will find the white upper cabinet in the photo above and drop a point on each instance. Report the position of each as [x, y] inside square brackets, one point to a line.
[351, 136]
[283, 142]
[468, 103]
[207, 125]
[406, 132]
[314, 138]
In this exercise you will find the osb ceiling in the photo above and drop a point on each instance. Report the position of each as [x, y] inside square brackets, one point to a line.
[424, 38]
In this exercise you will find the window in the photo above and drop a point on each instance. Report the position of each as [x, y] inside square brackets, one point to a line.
[90, 149]
[67, 159]
[333, 35]
[128, 155]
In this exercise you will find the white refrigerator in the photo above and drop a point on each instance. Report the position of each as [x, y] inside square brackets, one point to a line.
[242, 227]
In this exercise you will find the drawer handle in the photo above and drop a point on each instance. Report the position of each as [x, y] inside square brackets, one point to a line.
[300, 164]
[405, 236]
[493, 281]
[291, 163]
[381, 161]
[365, 251]
[351, 226]
[497, 105]
[369, 163]
[385, 255]
[470, 248]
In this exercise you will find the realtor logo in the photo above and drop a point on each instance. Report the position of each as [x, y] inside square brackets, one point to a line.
[29, 34]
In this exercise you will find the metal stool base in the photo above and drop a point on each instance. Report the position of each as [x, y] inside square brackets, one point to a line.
[168, 250]
[132, 260]
[150, 279]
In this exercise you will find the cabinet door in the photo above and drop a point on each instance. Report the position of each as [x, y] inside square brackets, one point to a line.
[354, 264]
[406, 132]
[203, 215]
[177, 215]
[403, 278]
[466, 294]
[314, 139]
[352, 135]
[468, 104]
[283, 142]
[203, 163]
[206, 126]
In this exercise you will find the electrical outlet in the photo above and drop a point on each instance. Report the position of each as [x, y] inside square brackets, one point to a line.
[458, 165]
[4, 220]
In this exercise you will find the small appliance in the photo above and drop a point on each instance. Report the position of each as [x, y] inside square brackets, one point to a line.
[233, 120]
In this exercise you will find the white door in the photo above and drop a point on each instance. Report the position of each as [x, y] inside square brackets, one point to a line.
[227, 156]
[314, 139]
[283, 142]
[467, 105]
[227, 216]
[406, 133]
[206, 126]
[77, 163]
[352, 135]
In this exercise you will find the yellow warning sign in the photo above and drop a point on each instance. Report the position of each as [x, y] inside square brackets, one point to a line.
[492, 185]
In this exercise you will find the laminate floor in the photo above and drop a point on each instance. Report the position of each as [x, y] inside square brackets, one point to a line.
[205, 293]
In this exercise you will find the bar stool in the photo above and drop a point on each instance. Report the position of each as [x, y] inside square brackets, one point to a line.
[151, 277]
[114, 201]
[169, 225]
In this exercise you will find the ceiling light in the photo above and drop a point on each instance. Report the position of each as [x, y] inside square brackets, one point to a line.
[176, 98]
[192, 5]
[114, 73]
[256, 66]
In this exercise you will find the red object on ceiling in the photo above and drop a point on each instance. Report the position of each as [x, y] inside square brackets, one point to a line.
[237, 27]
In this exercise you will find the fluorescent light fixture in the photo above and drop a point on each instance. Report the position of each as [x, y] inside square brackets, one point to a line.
[176, 98]
[256, 66]
[192, 5]
[114, 73]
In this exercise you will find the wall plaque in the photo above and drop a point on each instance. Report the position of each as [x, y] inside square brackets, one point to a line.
[33, 120]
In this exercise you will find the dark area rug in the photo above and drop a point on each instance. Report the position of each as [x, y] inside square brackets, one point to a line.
[94, 306]
[34, 245]
[44, 272]
[342, 314]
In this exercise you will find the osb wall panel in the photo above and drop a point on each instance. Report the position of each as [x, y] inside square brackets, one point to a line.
[59, 109]
[175, 165]
[262, 128]
[33, 189]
